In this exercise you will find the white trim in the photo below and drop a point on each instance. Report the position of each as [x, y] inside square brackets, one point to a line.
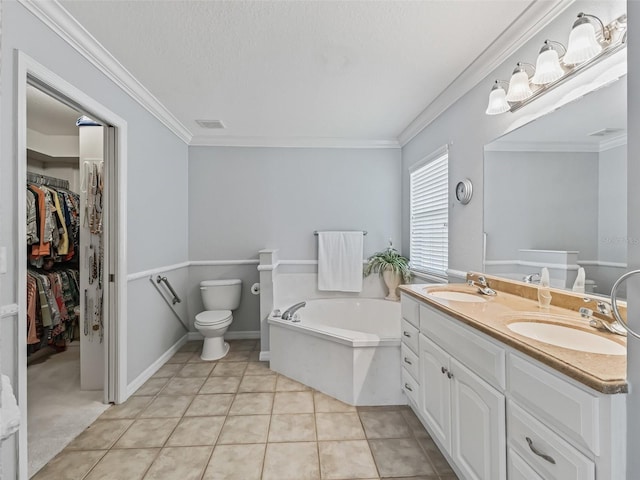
[531, 21]
[245, 335]
[430, 157]
[298, 262]
[61, 22]
[219, 263]
[155, 366]
[9, 310]
[265, 356]
[144, 274]
[456, 273]
[559, 266]
[291, 142]
[428, 277]
[600, 263]
[268, 267]
[614, 142]
[542, 147]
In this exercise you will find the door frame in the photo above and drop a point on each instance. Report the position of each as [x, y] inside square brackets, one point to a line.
[29, 71]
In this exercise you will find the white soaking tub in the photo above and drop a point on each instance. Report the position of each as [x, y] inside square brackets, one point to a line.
[348, 348]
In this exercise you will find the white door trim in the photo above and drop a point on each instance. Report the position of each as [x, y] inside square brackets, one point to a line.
[27, 68]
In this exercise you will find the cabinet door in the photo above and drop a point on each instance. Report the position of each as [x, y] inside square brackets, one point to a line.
[435, 391]
[519, 469]
[478, 426]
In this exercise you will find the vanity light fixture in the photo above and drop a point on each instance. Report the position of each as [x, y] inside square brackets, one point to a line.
[586, 47]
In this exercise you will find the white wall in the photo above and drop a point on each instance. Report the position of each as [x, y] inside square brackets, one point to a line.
[157, 190]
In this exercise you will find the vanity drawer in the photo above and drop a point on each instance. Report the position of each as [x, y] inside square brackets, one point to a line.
[562, 406]
[410, 310]
[483, 357]
[410, 387]
[409, 336]
[518, 469]
[547, 453]
[409, 361]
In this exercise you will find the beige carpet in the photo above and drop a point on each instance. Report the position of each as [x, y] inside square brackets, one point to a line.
[57, 409]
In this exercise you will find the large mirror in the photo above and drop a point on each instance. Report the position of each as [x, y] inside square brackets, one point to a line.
[555, 194]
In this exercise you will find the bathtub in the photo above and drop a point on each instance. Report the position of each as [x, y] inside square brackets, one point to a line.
[348, 348]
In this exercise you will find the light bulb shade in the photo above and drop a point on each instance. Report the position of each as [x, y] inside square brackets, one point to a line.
[519, 88]
[583, 44]
[497, 101]
[548, 68]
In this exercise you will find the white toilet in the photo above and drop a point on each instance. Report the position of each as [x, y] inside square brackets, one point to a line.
[219, 298]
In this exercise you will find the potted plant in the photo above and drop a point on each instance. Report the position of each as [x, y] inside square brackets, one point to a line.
[392, 267]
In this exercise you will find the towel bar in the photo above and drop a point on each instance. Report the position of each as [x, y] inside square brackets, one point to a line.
[364, 232]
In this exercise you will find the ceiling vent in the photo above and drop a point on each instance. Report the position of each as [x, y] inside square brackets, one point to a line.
[606, 131]
[213, 124]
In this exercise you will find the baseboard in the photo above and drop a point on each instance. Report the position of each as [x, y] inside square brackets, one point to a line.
[265, 356]
[247, 335]
[155, 366]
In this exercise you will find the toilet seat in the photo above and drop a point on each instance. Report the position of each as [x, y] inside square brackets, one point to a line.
[210, 318]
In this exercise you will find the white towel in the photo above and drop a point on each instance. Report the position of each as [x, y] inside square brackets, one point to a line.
[340, 261]
[9, 413]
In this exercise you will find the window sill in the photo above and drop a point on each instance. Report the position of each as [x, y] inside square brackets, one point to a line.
[429, 277]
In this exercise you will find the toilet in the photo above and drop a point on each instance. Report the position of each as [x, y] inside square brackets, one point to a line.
[220, 297]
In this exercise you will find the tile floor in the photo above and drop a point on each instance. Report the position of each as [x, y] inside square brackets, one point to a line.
[235, 419]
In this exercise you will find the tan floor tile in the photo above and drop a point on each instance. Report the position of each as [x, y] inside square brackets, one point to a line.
[285, 384]
[179, 463]
[235, 462]
[193, 346]
[293, 402]
[254, 356]
[422, 477]
[129, 409]
[195, 358]
[183, 386]
[168, 370]
[152, 386]
[414, 423]
[101, 434]
[209, 405]
[245, 429]
[168, 406]
[180, 357]
[298, 427]
[382, 408]
[129, 464]
[400, 457]
[196, 431]
[291, 461]
[242, 356]
[325, 403]
[242, 345]
[259, 368]
[252, 404]
[258, 383]
[229, 369]
[439, 462]
[346, 460]
[196, 370]
[220, 385]
[147, 433]
[385, 425]
[339, 426]
[70, 465]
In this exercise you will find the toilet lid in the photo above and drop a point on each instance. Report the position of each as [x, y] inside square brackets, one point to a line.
[213, 317]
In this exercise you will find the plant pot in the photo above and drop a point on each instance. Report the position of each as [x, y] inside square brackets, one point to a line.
[392, 280]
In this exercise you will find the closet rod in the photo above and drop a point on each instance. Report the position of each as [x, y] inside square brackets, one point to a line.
[364, 232]
[46, 180]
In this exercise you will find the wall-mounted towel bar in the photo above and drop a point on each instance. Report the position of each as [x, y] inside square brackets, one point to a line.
[175, 299]
[364, 232]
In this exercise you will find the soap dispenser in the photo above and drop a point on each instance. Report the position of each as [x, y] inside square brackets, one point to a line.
[544, 293]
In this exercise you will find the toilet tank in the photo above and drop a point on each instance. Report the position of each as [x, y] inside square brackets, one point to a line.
[221, 294]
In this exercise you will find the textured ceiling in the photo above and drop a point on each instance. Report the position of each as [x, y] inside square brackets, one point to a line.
[359, 70]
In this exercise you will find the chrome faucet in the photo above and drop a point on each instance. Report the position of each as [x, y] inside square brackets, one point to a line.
[482, 285]
[289, 312]
[531, 278]
[604, 308]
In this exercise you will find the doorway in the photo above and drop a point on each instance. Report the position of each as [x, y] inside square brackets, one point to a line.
[99, 317]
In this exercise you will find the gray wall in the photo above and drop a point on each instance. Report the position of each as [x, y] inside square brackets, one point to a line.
[540, 200]
[157, 189]
[612, 205]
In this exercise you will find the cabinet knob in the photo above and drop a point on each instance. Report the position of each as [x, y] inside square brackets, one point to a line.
[406, 385]
[443, 370]
[406, 360]
[406, 334]
[449, 375]
[538, 452]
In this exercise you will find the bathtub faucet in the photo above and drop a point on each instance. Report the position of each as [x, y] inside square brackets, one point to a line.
[288, 313]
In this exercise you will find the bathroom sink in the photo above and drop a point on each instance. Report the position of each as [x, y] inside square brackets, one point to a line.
[567, 337]
[456, 296]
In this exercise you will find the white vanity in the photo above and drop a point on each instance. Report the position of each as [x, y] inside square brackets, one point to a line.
[497, 412]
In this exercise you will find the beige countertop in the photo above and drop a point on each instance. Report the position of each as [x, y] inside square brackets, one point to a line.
[604, 373]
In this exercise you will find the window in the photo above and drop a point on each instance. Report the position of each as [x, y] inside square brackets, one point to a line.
[429, 209]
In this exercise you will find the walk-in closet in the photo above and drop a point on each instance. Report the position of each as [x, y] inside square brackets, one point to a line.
[65, 271]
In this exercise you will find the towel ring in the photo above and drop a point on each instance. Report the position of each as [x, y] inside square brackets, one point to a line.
[614, 302]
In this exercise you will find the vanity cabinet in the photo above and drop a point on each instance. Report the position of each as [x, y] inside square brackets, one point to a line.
[497, 413]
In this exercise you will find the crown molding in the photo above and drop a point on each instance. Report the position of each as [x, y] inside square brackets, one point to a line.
[560, 147]
[61, 22]
[291, 142]
[530, 22]
[614, 142]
